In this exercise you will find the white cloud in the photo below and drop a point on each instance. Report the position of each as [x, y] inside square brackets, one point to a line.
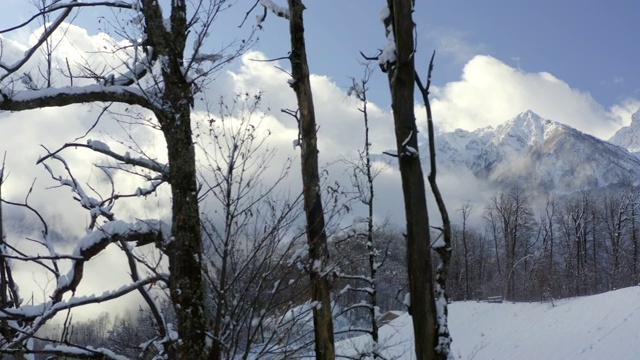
[625, 109]
[340, 123]
[491, 92]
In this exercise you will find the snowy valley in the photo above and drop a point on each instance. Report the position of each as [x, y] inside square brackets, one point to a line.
[603, 326]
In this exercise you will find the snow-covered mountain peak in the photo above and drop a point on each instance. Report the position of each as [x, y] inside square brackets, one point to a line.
[635, 118]
[532, 151]
[525, 130]
[629, 136]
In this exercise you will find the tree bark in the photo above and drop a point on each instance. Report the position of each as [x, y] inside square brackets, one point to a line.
[185, 250]
[316, 235]
[401, 82]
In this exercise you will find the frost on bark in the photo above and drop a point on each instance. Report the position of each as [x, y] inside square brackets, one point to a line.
[316, 235]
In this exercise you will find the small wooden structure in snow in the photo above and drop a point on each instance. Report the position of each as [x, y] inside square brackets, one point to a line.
[389, 316]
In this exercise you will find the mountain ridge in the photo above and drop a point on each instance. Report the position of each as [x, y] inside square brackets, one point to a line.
[629, 136]
[534, 152]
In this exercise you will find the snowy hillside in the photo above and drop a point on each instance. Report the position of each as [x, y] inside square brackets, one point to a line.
[629, 136]
[603, 326]
[538, 153]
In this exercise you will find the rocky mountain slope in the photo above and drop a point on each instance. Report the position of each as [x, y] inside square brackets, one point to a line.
[629, 136]
[533, 152]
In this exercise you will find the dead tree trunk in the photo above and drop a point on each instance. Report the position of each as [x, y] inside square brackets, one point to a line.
[316, 235]
[399, 28]
[443, 248]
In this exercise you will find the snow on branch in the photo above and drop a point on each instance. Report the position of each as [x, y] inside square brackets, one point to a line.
[104, 207]
[408, 150]
[444, 337]
[95, 206]
[38, 315]
[406, 141]
[92, 244]
[68, 95]
[133, 73]
[10, 69]
[75, 351]
[281, 11]
[27, 81]
[27, 319]
[100, 147]
[387, 57]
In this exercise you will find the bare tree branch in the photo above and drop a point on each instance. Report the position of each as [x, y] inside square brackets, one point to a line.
[443, 249]
[29, 100]
[101, 148]
[68, 6]
[10, 69]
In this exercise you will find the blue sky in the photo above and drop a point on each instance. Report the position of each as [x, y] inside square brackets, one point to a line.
[589, 44]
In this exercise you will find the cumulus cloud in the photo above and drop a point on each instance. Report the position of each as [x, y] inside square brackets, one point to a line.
[339, 120]
[340, 126]
[491, 92]
[625, 109]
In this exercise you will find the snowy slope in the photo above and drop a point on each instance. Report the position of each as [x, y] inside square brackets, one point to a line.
[604, 326]
[629, 136]
[538, 153]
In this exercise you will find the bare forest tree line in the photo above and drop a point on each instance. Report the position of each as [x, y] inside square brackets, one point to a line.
[576, 244]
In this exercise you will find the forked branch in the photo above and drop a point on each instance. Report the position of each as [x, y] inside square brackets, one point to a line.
[443, 248]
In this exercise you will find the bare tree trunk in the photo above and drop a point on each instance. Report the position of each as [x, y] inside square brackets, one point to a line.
[373, 266]
[316, 235]
[185, 251]
[634, 240]
[466, 212]
[5, 330]
[399, 25]
[443, 248]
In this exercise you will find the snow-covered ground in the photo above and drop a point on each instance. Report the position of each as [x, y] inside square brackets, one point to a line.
[604, 326]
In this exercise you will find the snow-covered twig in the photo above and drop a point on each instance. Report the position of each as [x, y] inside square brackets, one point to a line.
[38, 315]
[96, 207]
[281, 11]
[96, 241]
[100, 147]
[133, 73]
[10, 69]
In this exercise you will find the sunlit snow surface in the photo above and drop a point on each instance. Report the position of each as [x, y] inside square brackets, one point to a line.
[604, 326]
